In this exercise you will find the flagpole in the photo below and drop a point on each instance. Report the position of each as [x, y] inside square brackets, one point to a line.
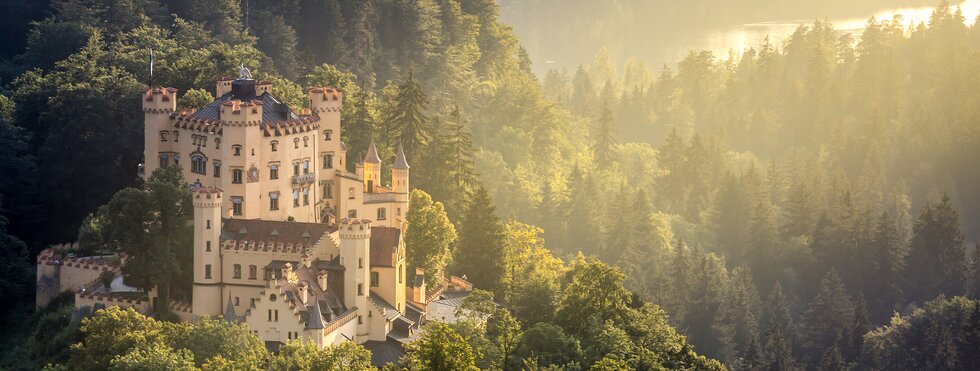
[151, 68]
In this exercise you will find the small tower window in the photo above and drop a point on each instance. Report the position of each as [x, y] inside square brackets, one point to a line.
[275, 145]
[238, 271]
[381, 213]
[360, 262]
[237, 149]
[164, 135]
[327, 134]
[328, 161]
[217, 143]
[306, 142]
[208, 224]
[176, 136]
[274, 201]
[207, 271]
[236, 205]
[217, 169]
[274, 171]
[360, 289]
[350, 193]
[207, 246]
[296, 143]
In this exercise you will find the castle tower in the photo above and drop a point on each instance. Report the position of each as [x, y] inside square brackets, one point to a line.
[158, 104]
[241, 116]
[399, 172]
[207, 259]
[355, 257]
[372, 169]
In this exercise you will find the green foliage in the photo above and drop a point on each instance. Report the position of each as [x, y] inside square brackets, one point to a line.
[481, 255]
[157, 357]
[430, 235]
[195, 98]
[549, 345]
[439, 348]
[406, 120]
[942, 334]
[303, 356]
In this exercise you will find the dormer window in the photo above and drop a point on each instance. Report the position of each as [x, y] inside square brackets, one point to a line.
[237, 149]
[275, 145]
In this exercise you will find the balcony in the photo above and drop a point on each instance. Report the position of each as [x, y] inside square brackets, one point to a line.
[374, 198]
[304, 179]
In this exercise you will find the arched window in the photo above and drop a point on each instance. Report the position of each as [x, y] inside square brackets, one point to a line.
[199, 164]
[236, 176]
[238, 271]
[306, 142]
[275, 145]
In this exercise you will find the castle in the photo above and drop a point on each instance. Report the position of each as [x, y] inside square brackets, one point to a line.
[285, 239]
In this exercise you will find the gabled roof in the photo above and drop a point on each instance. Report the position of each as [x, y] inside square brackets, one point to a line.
[316, 316]
[371, 157]
[230, 311]
[274, 231]
[384, 245]
[400, 161]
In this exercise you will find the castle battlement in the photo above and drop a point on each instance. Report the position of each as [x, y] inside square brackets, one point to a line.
[234, 246]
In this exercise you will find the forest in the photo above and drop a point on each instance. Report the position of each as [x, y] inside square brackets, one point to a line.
[807, 204]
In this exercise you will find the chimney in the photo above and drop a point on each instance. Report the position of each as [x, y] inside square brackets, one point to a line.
[304, 290]
[321, 279]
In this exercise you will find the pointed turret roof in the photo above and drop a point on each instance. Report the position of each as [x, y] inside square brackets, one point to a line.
[316, 316]
[371, 157]
[400, 161]
[230, 311]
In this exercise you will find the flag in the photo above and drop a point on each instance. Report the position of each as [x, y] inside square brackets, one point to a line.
[151, 62]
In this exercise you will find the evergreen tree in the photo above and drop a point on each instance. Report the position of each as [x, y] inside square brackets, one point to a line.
[763, 253]
[407, 119]
[862, 324]
[480, 255]
[741, 305]
[828, 319]
[459, 161]
[581, 232]
[936, 262]
[779, 355]
[832, 360]
[776, 309]
[603, 136]
[889, 263]
[974, 283]
[800, 211]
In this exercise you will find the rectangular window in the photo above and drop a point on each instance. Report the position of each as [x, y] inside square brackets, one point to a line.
[295, 198]
[252, 271]
[360, 289]
[176, 136]
[382, 213]
[163, 136]
[251, 302]
[374, 279]
[207, 271]
[269, 318]
[306, 196]
[350, 193]
[217, 169]
[164, 160]
[208, 224]
[359, 320]
[236, 176]
[296, 169]
[274, 171]
[207, 245]
[274, 201]
[360, 262]
[275, 313]
[326, 191]
[328, 161]
[236, 205]
[176, 159]
[236, 301]
[238, 271]
[327, 134]
[237, 150]
[306, 166]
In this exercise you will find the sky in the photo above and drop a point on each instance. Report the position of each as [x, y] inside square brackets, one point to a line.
[565, 33]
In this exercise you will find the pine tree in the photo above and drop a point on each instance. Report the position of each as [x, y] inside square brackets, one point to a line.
[741, 304]
[407, 118]
[730, 226]
[359, 129]
[480, 255]
[764, 245]
[582, 215]
[862, 324]
[889, 262]
[362, 38]
[459, 161]
[832, 360]
[776, 309]
[828, 319]
[974, 283]
[619, 231]
[936, 261]
[604, 145]
[680, 274]
[800, 211]
[779, 355]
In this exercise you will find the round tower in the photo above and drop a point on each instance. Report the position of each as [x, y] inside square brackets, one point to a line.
[207, 251]
[355, 257]
[158, 104]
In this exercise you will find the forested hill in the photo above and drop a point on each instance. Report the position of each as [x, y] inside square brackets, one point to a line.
[779, 206]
